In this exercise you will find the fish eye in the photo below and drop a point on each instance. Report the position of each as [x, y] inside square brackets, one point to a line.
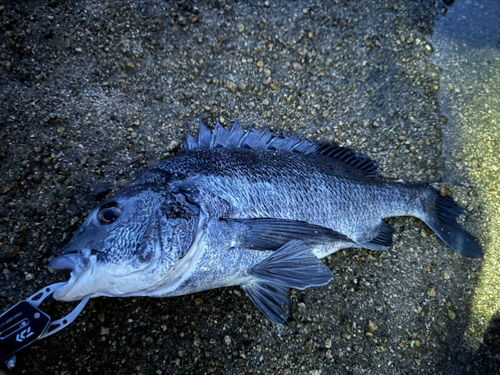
[109, 213]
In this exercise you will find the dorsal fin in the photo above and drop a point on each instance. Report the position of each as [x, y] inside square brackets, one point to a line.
[204, 136]
[253, 139]
[234, 136]
[219, 137]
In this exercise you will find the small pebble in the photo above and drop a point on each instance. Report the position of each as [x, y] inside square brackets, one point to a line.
[432, 291]
[172, 146]
[301, 308]
[444, 191]
[372, 326]
[231, 86]
[309, 344]
[451, 314]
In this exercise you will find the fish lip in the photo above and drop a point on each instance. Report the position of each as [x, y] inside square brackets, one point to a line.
[64, 263]
[71, 261]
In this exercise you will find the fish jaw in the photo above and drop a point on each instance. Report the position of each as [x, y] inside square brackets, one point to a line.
[85, 277]
[97, 280]
[81, 265]
[94, 277]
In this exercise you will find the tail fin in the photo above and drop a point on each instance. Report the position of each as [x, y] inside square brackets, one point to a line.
[442, 219]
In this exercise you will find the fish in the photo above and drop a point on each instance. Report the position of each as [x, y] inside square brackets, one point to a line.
[249, 209]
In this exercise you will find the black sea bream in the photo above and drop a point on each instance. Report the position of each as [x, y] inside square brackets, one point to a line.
[244, 209]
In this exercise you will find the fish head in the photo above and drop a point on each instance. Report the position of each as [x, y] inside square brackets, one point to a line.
[128, 245]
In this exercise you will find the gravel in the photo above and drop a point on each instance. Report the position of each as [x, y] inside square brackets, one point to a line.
[93, 93]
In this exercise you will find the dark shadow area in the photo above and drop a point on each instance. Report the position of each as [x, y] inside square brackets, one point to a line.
[487, 358]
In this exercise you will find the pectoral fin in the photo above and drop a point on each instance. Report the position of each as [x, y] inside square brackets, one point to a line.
[294, 265]
[271, 234]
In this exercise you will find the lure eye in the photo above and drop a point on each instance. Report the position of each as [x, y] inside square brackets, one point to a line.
[109, 213]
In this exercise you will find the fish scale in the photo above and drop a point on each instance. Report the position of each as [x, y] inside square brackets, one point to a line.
[274, 184]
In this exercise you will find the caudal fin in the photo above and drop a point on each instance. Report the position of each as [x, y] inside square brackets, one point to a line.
[442, 219]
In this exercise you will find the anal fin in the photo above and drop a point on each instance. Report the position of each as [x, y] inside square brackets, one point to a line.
[383, 239]
[294, 265]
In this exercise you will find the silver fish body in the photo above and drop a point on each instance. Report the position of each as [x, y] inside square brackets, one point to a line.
[244, 209]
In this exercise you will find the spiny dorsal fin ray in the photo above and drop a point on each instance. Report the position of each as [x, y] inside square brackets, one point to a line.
[263, 140]
[249, 139]
[253, 139]
[234, 136]
[191, 142]
[219, 137]
[204, 136]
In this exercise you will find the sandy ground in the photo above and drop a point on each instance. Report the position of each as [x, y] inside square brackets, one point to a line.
[93, 93]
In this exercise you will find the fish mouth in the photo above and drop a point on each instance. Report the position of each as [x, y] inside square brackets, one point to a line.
[76, 263]
[91, 275]
[66, 263]
[71, 261]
